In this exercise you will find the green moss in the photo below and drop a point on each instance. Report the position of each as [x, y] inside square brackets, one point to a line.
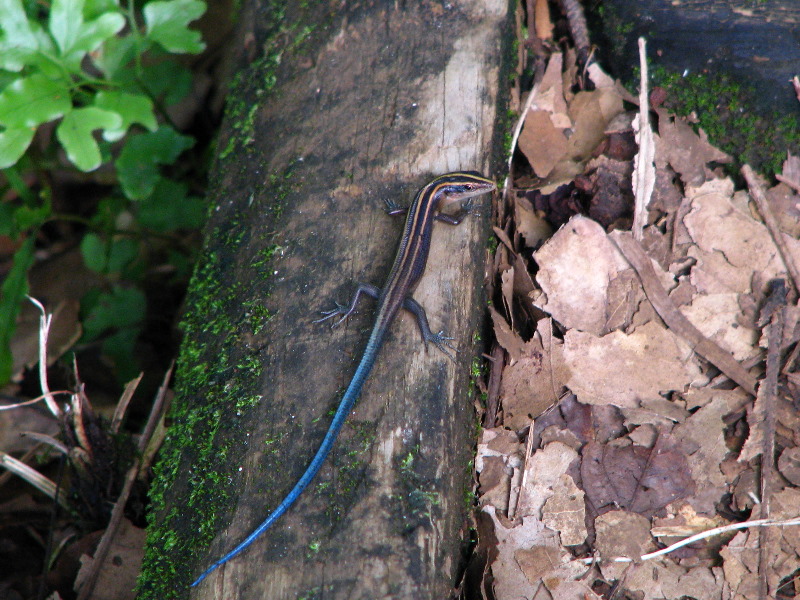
[210, 382]
[417, 497]
[316, 592]
[217, 386]
[350, 462]
[257, 314]
[313, 549]
[724, 110]
[477, 368]
[253, 85]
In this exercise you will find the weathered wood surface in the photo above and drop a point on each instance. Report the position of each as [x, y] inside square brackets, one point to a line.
[380, 97]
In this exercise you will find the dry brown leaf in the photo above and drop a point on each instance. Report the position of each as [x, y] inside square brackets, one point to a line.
[538, 561]
[716, 316]
[686, 152]
[623, 369]
[755, 419]
[543, 144]
[542, 474]
[553, 567]
[499, 455]
[731, 246]
[702, 438]
[550, 93]
[507, 292]
[576, 267]
[635, 478]
[741, 561]
[591, 112]
[789, 465]
[785, 205]
[530, 223]
[565, 512]
[573, 590]
[510, 583]
[506, 337]
[685, 523]
[621, 534]
[666, 580]
[532, 383]
[117, 580]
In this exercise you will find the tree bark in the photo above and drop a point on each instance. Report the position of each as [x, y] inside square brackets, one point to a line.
[369, 102]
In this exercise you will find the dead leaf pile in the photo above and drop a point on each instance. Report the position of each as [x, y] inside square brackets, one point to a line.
[632, 402]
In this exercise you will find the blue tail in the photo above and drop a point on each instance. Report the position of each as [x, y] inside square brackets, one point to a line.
[345, 406]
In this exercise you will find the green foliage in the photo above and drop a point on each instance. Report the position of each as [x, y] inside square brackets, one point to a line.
[15, 286]
[100, 75]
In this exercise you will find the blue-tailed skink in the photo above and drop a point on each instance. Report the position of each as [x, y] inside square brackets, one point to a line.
[408, 267]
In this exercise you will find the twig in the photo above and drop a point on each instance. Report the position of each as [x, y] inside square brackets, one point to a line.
[512, 512]
[772, 316]
[792, 184]
[758, 196]
[578, 29]
[493, 391]
[44, 330]
[644, 171]
[704, 535]
[676, 321]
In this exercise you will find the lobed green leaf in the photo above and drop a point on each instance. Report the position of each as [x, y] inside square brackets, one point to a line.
[137, 165]
[31, 101]
[167, 24]
[18, 41]
[13, 144]
[75, 134]
[133, 108]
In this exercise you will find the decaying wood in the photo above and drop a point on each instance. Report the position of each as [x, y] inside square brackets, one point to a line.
[389, 95]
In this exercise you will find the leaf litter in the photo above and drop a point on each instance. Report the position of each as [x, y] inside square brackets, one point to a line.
[636, 442]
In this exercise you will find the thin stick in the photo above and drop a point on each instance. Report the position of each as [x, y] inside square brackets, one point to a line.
[760, 198]
[644, 172]
[677, 321]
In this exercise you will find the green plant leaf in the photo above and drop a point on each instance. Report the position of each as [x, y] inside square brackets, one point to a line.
[137, 165]
[122, 252]
[14, 288]
[30, 101]
[29, 216]
[169, 79]
[66, 20]
[93, 249]
[170, 208]
[118, 52]
[167, 23]
[121, 347]
[74, 37]
[103, 256]
[133, 108]
[7, 225]
[121, 308]
[18, 41]
[75, 134]
[13, 143]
